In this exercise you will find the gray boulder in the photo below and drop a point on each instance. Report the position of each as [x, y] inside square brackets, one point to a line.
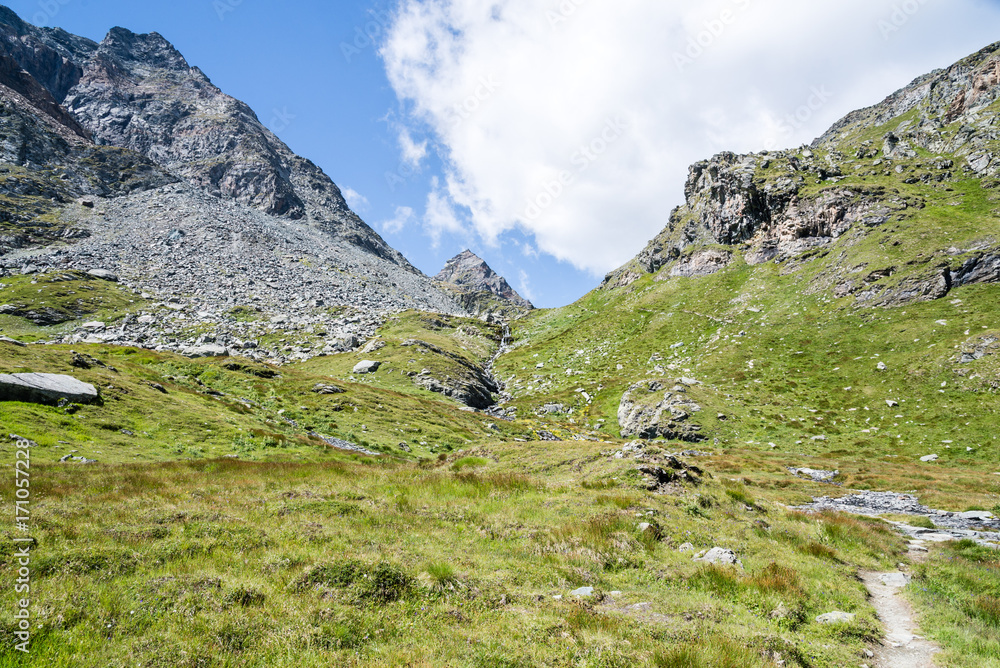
[719, 555]
[207, 350]
[46, 388]
[103, 274]
[836, 617]
[367, 366]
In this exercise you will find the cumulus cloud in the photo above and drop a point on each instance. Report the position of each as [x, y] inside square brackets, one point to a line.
[524, 285]
[355, 200]
[412, 152]
[440, 216]
[404, 215]
[576, 120]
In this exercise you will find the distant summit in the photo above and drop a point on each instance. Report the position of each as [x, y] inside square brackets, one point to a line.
[479, 286]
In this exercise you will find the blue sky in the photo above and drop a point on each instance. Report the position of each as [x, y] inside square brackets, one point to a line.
[550, 136]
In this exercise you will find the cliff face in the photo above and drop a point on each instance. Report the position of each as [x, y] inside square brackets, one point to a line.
[137, 92]
[881, 175]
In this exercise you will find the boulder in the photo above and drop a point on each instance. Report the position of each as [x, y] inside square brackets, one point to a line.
[13, 342]
[322, 388]
[836, 617]
[367, 366]
[103, 274]
[46, 388]
[207, 350]
[719, 555]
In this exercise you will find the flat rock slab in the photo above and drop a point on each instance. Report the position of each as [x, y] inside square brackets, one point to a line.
[46, 388]
[901, 647]
[367, 366]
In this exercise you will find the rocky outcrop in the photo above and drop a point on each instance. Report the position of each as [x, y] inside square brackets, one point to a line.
[647, 411]
[467, 382]
[792, 206]
[954, 95]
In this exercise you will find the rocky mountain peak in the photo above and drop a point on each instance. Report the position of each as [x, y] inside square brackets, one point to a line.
[471, 274]
[150, 50]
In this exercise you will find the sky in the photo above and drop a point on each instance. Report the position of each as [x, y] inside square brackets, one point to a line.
[552, 137]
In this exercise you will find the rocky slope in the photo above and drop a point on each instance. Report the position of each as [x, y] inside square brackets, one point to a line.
[138, 92]
[874, 175]
[480, 289]
[178, 190]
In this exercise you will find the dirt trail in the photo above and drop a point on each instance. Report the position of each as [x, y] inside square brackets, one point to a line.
[901, 647]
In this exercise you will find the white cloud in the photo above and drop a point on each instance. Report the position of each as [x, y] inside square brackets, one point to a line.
[440, 216]
[524, 285]
[413, 153]
[592, 111]
[404, 215]
[355, 200]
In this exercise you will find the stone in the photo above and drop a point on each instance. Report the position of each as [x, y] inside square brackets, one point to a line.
[103, 274]
[882, 366]
[686, 547]
[207, 350]
[582, 592]
[367, 366]
[46, 388]
[650, 529]
[836, 617]
[894, 580]
[976, 515]
[815, 475]
[14, 342]
[890, 403]
[322, 388]
[929, 458]
[719, 555]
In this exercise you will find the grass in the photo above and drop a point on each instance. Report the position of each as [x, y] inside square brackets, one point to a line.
[218, 407]
[380, 562]
[958, 592]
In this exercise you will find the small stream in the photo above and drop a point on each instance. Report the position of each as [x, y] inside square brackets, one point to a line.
[504, 395]
[979, 526]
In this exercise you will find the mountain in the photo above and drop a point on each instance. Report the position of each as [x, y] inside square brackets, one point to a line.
[736, 451]
[881, 175]
[120, 156]
[478, 288]
[796, 289]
